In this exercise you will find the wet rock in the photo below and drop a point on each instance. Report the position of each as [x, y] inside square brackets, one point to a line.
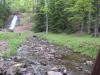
[34, 36]
[80, 68]
[43, 63]
[88, 72]
[54, 73]
[33, 63]
[89, 63]
[54, 69]
[65, 72]
[14, 58]
[29, 73]
[60, 69]
[23, 71]
[18, 65]
[58, 55]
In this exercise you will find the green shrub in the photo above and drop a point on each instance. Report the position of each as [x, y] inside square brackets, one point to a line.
[39, 22]
[4, 13]
[1, 23]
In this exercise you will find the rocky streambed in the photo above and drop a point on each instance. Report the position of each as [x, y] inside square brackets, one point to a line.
[38, 57]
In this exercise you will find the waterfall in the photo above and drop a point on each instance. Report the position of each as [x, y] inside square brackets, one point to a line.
[13, 23]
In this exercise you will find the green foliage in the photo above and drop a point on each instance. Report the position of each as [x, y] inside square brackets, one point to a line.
[39, 22]
[67, 15]
[58, 16]
[4, 13]
[39, 18]
[20, 5]
[84, 44]
[14, 40]
[1, 23]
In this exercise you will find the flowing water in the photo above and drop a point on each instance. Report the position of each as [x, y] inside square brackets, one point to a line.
[13, 22]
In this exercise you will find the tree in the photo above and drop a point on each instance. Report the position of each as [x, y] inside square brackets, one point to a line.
[69, 16]
[39, 17]
[4, 13]
[46, 15]
[97, 18]
[20, 5]
[57, 16]
[96, 68]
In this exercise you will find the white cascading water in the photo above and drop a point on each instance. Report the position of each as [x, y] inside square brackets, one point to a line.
[13, 23]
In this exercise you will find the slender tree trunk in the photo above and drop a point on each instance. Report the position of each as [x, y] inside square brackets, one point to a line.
[4, 2]
[35, 6]
[83, 22]
[96, 30]
[82, 27]
[97, 19]
[89, 22]
[46, 15]
[46, 23]
[83, 19]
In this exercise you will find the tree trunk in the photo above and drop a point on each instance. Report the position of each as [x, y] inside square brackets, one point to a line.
[89, 22]
[82, 27]
[46, 23]
[83, 19]
[35, 6]
[97, 19]
[46, 15]
[96, 69]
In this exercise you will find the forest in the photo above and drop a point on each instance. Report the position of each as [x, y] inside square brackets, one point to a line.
[49, 37]
[68, 16]
[59, 16]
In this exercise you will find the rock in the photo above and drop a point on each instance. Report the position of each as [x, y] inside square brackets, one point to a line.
[88, 72]
[65, 72]
[18, 65]
[43, 63]
[29, 73]
[80, 68]
[15, 59]
[89, 63]
[33, 63]
[58, 56]
[23, 71]
[54, 73]
[54, 68]
[34, 36]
